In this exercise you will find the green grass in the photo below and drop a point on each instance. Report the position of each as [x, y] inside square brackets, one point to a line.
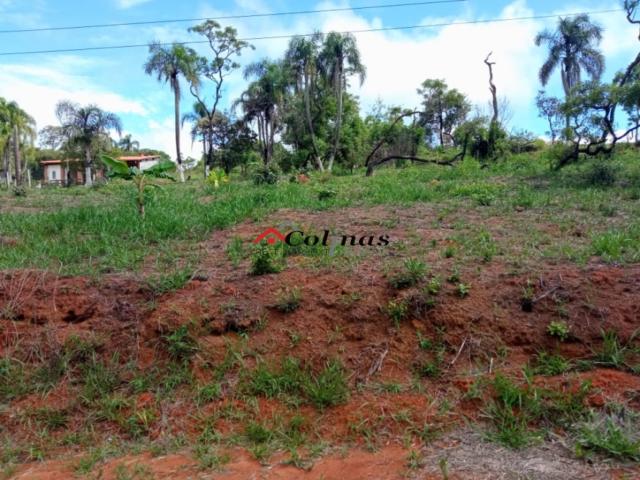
[98, 230]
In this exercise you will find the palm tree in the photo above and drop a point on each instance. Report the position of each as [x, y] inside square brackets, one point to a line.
[201, 127]
[262, 101]
[169, 64]
[301, 59]
[17, 128]
[127, 144]
[339, 59]
[573, 47]
[83, 127]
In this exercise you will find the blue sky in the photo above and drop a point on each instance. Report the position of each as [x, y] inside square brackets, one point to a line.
[397, 61]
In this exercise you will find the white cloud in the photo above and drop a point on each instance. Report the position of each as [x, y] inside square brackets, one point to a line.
[124, 4]
[38, 87]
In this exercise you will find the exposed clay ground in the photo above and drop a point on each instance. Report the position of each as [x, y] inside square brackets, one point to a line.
[341, 316]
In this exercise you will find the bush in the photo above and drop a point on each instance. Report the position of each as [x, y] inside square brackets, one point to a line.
[266, 259]
[266, 176]
[600, 174]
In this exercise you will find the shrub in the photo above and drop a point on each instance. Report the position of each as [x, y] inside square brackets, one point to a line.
[600, 174]
[266, 176]
[397, 311]
[413, 272]
[265, 259]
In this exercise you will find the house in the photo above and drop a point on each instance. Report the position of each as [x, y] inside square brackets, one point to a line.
[71, 171]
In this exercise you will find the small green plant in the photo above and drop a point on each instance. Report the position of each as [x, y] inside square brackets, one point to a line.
[141, 179]
[326, 194]
[526, 301]
[559, 329]
[613, 352]
[449, 252]
[397, 311]
[463, 290]
[425, 343]
[235, 251]
[266, 259]
[180, 344]
[288, 300]
[100, 378]
[329, 387]
[216, 177]
[208, 393]
[434, 286]
[454, 277]
[413, 272]
[545, 363]
[613, 433]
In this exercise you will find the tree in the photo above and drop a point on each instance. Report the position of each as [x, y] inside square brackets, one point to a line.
[82, 128]
[338, 60]
[549, 109]
[127, 144]
[226, 47]
[262, 102]
[301, 58]
[443, 110]
[168, 65]
[573, 47]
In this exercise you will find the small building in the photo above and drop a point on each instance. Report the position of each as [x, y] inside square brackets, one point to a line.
[71, 171]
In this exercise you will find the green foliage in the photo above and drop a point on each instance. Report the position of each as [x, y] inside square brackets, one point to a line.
[397, 311]
[558, 329]
[266, 176]
[216, 178]
[99, 378]
[600, 174]
[545, 363]
[180, 344]
[413, 272]
[266, 259]
[614, 435]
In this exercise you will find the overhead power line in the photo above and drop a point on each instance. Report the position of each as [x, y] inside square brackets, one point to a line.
[233, 17]
[279, 37]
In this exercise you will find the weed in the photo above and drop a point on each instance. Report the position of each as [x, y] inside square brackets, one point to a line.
[548, 364]
[266, 259]
[99, 379]
[558, 329]
[235, 251]
[397, 311]
[463, 290]
[614, 434]
[329, 387]
[180, 344]
[413, 272]
[208, 393]
[526, 301]
[288, 300]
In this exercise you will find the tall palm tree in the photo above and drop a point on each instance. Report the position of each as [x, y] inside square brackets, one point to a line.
[339, 59]
[572, 47]
[82, 128]
[168, 65]
[17, 128]
[262, 101]
[301, 58]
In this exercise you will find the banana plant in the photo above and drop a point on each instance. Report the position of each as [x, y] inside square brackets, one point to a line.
[142, 179]
[216, 177]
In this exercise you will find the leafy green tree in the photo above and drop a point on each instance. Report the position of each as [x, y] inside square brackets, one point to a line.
[226, 48]
[168, 65]
[549, 109]
[338, 60]
[82, 128]
[262, 102]
[301, 59]
[443, 110]
[572, 47]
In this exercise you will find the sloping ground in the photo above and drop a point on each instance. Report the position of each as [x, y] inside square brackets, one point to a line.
[410, 381]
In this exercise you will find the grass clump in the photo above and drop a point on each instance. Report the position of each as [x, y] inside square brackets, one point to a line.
[397, 311]
[266, 259]
[614, 434]
[180, 344]
[413, 272]
[288, 300]
[549, 364]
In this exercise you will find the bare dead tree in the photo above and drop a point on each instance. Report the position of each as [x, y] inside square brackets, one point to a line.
[493, 89]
